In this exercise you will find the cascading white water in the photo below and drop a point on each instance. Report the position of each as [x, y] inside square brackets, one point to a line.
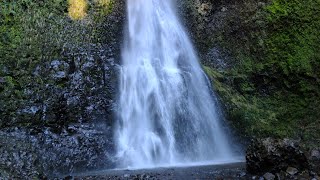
[167, 112]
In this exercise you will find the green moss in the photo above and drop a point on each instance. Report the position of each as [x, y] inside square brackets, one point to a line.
[104, 8]
[294, 36]
[32, 34]
[248, 113]
[279, 115]
[273, 87]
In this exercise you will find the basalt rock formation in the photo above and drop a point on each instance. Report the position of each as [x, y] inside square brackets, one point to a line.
[283, 159]
[58, 81]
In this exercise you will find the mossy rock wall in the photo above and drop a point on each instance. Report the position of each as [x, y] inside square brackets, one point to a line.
[264, 60]
[54, 68]
[58, 76]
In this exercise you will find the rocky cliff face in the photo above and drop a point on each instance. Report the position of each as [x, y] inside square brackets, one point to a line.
[71, 78]
[281, 159]
[57, 96]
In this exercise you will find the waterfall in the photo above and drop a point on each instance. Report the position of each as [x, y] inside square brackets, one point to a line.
[167, 113]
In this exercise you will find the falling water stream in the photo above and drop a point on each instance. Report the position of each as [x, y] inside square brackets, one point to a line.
[167, 113]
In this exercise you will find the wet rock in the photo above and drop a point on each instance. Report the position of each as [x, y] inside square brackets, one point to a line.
[217, 58]
[60, 75]
[315, 154]
[315, 160]
[2, 80]
[269, 176]
[24, 153]
[270, 155]
[59, 65]
[303, 176]
[205, 8]
[59, 69]
[223, 9]
[242, 174]
[292, 171]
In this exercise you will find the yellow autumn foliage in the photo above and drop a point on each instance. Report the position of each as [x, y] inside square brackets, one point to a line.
[104, 3]
[77, 9]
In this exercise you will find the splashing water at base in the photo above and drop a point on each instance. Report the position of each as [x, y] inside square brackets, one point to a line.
[167, 112]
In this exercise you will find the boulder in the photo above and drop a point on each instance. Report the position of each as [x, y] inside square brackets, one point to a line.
[270, 155]
[292, 171]
[315, 160]
[315, 154]
[269, 176]
[2, 80]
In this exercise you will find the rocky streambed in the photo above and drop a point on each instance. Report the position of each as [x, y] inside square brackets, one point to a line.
[267, 159]
[224, 171]
[40, 153]
[84, 151]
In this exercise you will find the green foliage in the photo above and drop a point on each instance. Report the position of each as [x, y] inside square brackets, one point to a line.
[252, 115]
[32, 34]
[20, 22]
[294, 35]
[279, 115]
[273, 89]
[102, 8]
